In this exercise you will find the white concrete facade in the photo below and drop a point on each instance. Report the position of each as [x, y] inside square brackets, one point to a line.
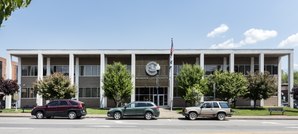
[74, 64]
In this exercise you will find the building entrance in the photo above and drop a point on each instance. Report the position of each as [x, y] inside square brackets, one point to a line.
[157, 95]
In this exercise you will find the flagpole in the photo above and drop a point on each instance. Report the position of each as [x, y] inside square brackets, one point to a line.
[171, 71]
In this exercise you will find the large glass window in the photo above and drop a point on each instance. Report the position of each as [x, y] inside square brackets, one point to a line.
[64, 69]
[28, 93]
[89, 92]
[29, 70]
[210, 69]
[90, 70]
[242, 68]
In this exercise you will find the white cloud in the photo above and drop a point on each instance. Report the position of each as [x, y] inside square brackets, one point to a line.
[253, 35]
[219, 30]
[225, 45]
[290, 41]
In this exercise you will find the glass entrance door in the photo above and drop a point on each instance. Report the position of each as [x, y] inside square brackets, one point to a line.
[158, 99]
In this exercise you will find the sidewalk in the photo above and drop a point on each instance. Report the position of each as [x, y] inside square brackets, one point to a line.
[167, 114]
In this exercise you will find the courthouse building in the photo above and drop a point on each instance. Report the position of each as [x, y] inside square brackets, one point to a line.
[85, 68]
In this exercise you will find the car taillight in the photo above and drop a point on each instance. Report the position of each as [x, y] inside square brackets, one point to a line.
[157, 107]
[80, 105]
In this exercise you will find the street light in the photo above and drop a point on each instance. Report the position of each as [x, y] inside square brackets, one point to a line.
[157, 68]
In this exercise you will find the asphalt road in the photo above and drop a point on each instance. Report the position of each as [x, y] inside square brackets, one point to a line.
[9, 125]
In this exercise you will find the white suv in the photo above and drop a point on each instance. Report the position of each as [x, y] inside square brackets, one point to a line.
[209, 109]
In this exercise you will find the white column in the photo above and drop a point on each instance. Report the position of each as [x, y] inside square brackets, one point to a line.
[48, 66]
[202, 65]
[8, 76]
[252, 64]
[261, 70]
[202, 60]
[133, 77]
[290, 78]
[279, 75]
[71, 68]
[103, 103]
[19, 80]
[232, 61]
[224, 64]
[252, 70]
[77, 75]
[39, 77]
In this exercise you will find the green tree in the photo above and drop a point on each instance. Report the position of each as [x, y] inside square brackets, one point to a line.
[261, 86]
[8, 86]
[191, 83]
[117, 83]
[56, 86]
[9, 6]
[285, 78]
[228, 85]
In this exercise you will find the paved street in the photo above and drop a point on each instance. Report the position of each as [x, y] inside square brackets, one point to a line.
[21, 125]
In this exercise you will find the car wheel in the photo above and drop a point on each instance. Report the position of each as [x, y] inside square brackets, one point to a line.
[39, 115]
[117, 116]
[72, 115]
[221, 116]
[148, 115]
[192, 115]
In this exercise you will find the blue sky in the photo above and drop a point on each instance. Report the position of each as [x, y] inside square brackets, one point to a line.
[142, 24]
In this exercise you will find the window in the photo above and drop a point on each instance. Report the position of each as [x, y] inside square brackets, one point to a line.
[89, 92]
[215, 105]
[131, 105]
[177, 69]
[63, 103]
[210, 69]
[207, 105]
[60, 68]
[223, 105]
[141, 105]
[29, 70]
[73, 103]
[90, 70]
[150, 105]
[272, 69]
[28, 93]
[53, 103]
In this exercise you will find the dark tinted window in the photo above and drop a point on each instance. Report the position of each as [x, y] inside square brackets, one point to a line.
[150, 105]
[215, 105]
[207, 105]
[63, 103]
[53, 103]
[223, 105]
[141, 105]
[73, 103]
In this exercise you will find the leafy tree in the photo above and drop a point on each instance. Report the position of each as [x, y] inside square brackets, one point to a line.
[191, 83]
[56, 86]
[9, 6]
[228, 85]
[8, 86]
[117, 83]
[261, 86]
[285, 78]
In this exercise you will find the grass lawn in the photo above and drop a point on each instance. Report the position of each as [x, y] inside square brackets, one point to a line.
[96, 111]
[15, 111]
[263, 112]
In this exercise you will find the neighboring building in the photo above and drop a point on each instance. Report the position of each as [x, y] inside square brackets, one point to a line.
[3, 68]
[85, 69]
[3, 75]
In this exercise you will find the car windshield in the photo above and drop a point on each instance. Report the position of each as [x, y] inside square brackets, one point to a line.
[200, 104]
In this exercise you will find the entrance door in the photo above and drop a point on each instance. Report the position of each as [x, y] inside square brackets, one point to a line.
[158, 99]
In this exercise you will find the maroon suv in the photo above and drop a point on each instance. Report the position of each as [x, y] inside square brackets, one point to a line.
[62, 108]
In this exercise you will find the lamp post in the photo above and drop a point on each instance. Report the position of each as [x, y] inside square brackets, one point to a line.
[157, 67]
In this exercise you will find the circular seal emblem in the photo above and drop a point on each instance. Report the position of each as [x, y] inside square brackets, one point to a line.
[152, 68]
